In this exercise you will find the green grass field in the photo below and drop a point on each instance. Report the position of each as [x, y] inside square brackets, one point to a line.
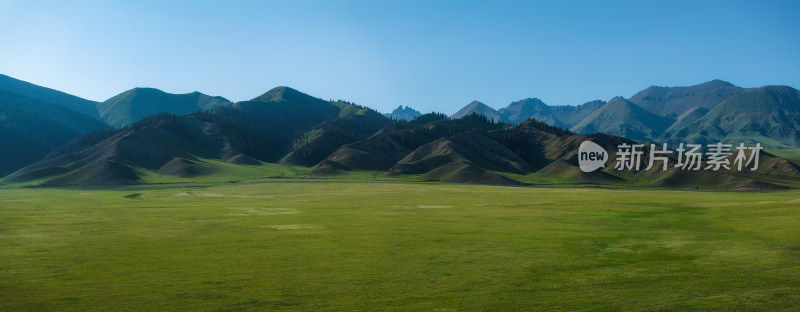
[314, 245]
[793, 154]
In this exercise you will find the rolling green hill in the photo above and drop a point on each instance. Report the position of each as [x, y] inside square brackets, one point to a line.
[22, 147]
[674, 101]
[326, 137]
[117, 157]
[622, 118]
[688, 117]
[78, 122]
[48, 95]
[768, 115]
[132, 105]
[30, 128]
[245, 133]
[283, 119]
[385, 148]
[472, 148]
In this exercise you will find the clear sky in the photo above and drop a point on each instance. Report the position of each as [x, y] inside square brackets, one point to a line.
[431, 55]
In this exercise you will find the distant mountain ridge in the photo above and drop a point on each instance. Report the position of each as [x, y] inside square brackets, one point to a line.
[623, 118]
[132, 105]
[403, 113]
[286, 126]
[44, 94]
[480, 109]
[670, 113]
[561, 116]
[674, 101]
[527, 108]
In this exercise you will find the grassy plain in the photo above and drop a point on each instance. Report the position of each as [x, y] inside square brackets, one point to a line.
[286, 244]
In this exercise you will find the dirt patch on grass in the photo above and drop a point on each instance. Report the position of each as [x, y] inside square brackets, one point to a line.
[434, 206]
[422, 206]
[264, 212]
[294, 227]
[217, 195]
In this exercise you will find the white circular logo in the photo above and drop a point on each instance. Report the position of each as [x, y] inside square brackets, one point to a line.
[591, 156]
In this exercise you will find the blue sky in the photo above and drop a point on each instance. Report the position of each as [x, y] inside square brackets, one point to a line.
[431, 55]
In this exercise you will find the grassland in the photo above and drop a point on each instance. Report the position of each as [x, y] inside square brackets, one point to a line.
[793, 154]
[283, 244]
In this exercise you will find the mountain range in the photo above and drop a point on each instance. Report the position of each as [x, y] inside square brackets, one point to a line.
[715, 111]
[34, 119]
[145, 133]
